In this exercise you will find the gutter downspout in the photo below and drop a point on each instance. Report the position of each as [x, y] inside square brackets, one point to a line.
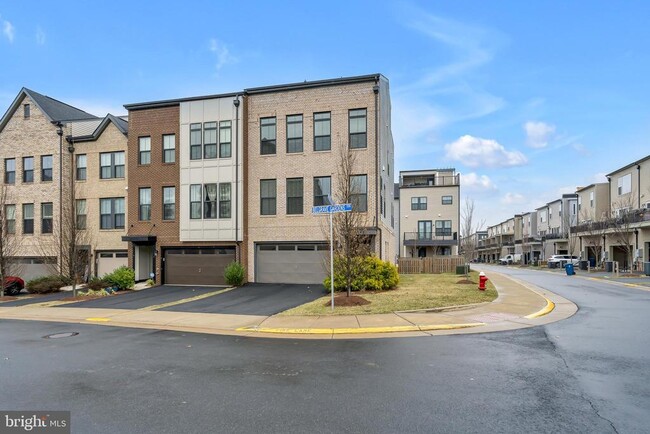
[59, 131]
[375, 90]
[638, 189]
[236, 102]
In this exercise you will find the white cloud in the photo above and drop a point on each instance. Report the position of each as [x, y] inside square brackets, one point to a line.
[222, 52]
[513, 199]
[538, 133]
[40, 36]
[473, 182]
[478, 152]
[8, 30]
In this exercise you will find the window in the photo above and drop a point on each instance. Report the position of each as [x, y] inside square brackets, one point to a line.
[267, 196]
[359, 193]
[46, 168]
[169, 203]
[625, 184]
[322, 131]
[591, 199]
[322, 189]
[210, 140]
[418, 203]
[46, 218]
[210, 201]
[224, 200]
[144, 208]
[81, 213]
[267, 134]
[195, 201]
[447, 200]
[424, 230]
[443, 227]
[28, 218]
[26, 111]
[10, 170]
[294, 134]
[294, 195]
[357, 127]
[28, 169]
[225, 139]
[111, 213]
[195, 141]
[81, 167]
[10, 219]
[111, 165]
[144, 150]
[169, 148]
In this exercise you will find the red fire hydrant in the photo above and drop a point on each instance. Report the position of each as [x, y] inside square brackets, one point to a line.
[482, 280]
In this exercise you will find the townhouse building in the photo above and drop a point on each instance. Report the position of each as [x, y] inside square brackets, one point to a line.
[593, 213]
[531, 245]
[429, 213]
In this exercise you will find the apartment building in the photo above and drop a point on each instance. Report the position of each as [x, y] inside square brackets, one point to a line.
[429, 213]
[298, 137]
[531, 245]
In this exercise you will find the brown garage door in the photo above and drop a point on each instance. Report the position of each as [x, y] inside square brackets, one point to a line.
[291, 263]
[203, 266]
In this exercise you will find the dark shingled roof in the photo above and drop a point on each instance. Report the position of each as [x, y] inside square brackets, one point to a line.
[120, 124]
[57, 110]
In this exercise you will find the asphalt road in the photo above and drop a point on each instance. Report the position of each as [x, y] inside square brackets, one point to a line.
[588, 374]
[145, 297]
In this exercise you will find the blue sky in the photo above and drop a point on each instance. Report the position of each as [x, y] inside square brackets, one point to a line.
[526, 99]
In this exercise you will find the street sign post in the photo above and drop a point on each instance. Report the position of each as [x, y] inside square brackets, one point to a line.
[330, 210]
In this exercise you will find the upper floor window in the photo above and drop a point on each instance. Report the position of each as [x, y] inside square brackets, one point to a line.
[195, 141]
[169, 203]
[294, 134]
[81, 213]
[144, 204]
[210, 201]
[225, 139]
[111, 213]
[322, 189]
[10, 170]
[443, 227]
[359, 193]
[210, 140]
[46, 167]
[46, 217]
[357, 128]
[28, 169]
[81, 167]
[625, 184]
[144, 150]
[294, 195]
[322, 131]
[10, 219]
[447, 200]
[267, 135]
[28, 218]
[169, 148]
[224, 200]
[111, 165]
[418, 203]
[26, 111]
[267, 196]
[195, 201]
[591, 199]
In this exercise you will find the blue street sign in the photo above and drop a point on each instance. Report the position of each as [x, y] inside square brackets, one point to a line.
[329, 209]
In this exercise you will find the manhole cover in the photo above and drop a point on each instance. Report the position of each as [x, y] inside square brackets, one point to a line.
[60, 335]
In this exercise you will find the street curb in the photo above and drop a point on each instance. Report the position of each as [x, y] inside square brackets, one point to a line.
[545, 311]
[357, 330]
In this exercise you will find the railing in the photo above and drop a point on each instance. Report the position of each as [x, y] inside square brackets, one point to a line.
[429, 265]
[428, 238]
[430, 181]
[557, 236]
[636, 216]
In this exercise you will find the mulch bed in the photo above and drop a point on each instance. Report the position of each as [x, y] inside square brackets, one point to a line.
[466, 282]
[9, 298]
[344, 300]
[93, 297]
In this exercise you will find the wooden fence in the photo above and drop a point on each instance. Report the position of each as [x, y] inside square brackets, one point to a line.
[429, 265]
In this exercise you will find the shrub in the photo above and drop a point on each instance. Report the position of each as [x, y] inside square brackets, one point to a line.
[372, 274]
[47, 284]
[234, 274]
[150, 282]
[121, 278]
[97, 284]
[95, 293]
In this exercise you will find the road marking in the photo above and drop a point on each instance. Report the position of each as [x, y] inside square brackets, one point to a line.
[545, 311]
[98, 319]
[185, 300]
[358, 330]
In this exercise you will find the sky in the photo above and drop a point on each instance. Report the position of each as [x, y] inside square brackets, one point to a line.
[526, 99]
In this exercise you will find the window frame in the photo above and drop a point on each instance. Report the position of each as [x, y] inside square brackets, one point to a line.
[81, 219]
[167, 150]
[79, 170]
[199, 202]
[10, 175]
[210, 206]
[214, 145]
[25, 171]
[361, 197]
[47, 222]
[26, 220]
[144, 155]
[47, 172]
[144, 208]
[196, 149]
[10, 223]
[443, 230]
[352, 117]
[298, 146]
[225, 200]
[166, 204]
[329, 128]
[225, 126]
[323, 196]
[417, 204]
[271, 201]
[27, 112]
[295, 198]
[447, 200]
[113, 168]
[427, 234]
[267, 144]
[113, 214]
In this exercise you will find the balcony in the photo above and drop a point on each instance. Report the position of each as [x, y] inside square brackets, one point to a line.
[429, 181]
[629, 218]
[429, 239]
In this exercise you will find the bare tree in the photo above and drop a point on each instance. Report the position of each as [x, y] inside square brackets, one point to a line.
[9, 242]
[621, 226]
[595, 228]
[469, 228]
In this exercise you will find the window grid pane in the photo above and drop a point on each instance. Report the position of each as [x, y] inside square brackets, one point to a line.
[268, 197]
[224, 200]
[322, 189]
[225, 139]
[144, 147]
[169, 203]
[295, 196]
[357, 128]
[294, 133]
[267, 136]
[210, 201]
[195, 141]
[210, 140]
[195, 201]
[359, 193]
[169, 148]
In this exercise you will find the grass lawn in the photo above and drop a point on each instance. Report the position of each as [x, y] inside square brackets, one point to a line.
[415, 291]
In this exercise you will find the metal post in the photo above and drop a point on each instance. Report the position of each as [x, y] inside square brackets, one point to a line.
[332, 260]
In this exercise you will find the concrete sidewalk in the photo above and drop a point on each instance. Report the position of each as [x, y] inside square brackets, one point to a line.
[517, 306]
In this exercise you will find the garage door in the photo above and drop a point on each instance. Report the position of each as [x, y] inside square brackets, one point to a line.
[31, 268]
[290, 263]
[109, 261]
[204, 266]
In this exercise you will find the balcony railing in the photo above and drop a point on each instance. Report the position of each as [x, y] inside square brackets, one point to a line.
[430, 181]
[429, 239]
[636, 216]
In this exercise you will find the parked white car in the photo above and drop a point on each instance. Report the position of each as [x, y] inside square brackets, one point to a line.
[510, 259]
[563, 259]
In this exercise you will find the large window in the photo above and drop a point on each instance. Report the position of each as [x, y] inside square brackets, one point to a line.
[10, 170]
[111, 213]
[322, 131]
[169, 148]
[28, 169]
[424, 229]
[267, 135]
[447, 200]
[625, 184]
[195, 141]
[81, 213]
[267, 196]
[210, 201]
[81, 167]
[144, 150]
[46, 217]
[322, 189]
[195, 201]
[46, 167]
[225, 139]
[359, 193]
[28, 218]
[294, 195]
[294, 134]
[111, 165]
[210, 140]
[144, 204]
[357, 126]
[169, 203]
[10, 219]
[443, 227]
[418, 203]
[224, 200]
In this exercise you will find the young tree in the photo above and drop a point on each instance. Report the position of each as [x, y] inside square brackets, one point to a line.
[9, 242]
[622, 229]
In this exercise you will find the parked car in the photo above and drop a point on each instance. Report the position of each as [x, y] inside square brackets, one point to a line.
[510, 259]
[561, 260]
[13, 285]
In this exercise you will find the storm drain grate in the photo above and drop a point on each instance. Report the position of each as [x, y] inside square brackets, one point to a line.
[60, 335]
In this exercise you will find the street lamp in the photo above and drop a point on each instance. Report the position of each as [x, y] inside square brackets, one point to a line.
[73, 253]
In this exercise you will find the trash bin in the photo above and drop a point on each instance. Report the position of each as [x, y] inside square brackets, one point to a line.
[569, 270]
[646, 268]
[584, 265]
[609, 266]
[592, 262]
[552, 265]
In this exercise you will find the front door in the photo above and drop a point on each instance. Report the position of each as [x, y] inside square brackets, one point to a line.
[143, 262]
[425, 229]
